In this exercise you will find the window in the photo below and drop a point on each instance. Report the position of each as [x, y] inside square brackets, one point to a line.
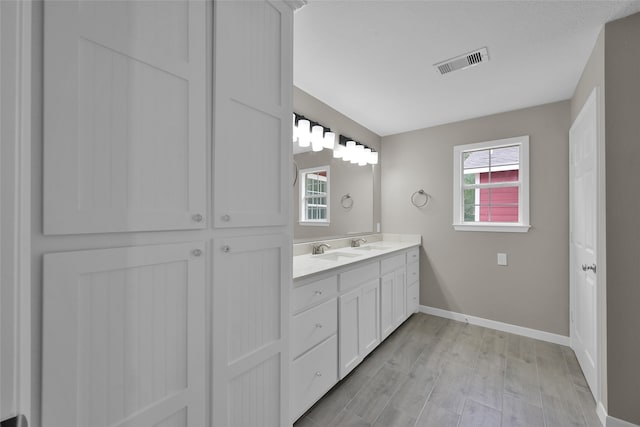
[314, 196]
[491, 186]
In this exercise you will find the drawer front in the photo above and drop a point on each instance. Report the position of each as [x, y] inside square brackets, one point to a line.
[413, 255]
[313, 375]
[314, 326]
[413, 272]
[390, 264]
[413, 298]
[359, 275]
[314, 292]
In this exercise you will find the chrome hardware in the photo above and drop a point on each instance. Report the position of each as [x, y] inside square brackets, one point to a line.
[226, 218]
[591, 267]
[318, 293]
[197, 217]
[319, 325]
[318, 374]
[355, 243]
[226, 249]
[196, 252]
[319, 249]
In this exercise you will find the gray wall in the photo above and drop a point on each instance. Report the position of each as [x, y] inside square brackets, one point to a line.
[622, 103]
[458, 270]
[342, 221]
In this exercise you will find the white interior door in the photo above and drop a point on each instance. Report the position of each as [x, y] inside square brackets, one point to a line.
[583, 158]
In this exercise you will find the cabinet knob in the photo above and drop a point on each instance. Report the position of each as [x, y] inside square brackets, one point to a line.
[196, 252]
[226, 218]
[318, 293]
[318, 325]
[197, 217]
[226, 249]
[318, 374]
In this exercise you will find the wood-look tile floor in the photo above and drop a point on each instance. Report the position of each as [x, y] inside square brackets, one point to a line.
[437, 372]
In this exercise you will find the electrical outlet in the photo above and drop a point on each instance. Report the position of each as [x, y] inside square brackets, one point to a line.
[502, 259]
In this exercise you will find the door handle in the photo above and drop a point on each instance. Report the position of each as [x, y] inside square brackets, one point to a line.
[591, 267]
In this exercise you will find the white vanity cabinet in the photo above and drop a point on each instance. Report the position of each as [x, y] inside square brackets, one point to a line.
[314, 341]
[392, 293]
[341, 314]
[359, 330]
[413, 281]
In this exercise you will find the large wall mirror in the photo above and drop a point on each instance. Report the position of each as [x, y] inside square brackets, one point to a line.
[332, 197]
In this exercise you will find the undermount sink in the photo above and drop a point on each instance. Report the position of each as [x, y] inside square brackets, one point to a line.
[371, 248]
[335, 256]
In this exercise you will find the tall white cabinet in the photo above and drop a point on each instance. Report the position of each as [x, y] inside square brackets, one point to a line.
[166, 150]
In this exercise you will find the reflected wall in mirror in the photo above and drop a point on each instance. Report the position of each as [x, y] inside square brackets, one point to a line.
[344, 217]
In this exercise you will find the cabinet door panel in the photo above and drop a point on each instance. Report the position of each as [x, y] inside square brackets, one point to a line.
[349, 349]
[399, 297]
[250, 330]
[386, 304]
[124, 116]
[369, 317]
[252, 129]
[413, 296]
[123, 337]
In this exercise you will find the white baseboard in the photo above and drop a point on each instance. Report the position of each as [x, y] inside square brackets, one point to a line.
[609, 421]
[500, 326]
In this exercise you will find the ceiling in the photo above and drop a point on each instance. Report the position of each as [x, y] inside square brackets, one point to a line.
[372, 60]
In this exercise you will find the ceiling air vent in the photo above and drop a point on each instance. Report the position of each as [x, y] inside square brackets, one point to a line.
[463, 61]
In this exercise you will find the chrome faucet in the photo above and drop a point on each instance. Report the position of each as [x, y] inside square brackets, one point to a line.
[319, 248]
[355, 243]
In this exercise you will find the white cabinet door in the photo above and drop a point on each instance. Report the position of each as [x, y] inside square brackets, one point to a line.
[123, 337]
[125, 127]
[386, 304]
[252, 129]
[399, 296]
[413, 292]
[369, 333]
[251, 331]
[348, 332]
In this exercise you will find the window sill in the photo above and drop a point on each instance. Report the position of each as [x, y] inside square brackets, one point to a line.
[494, 227]
[314, 224]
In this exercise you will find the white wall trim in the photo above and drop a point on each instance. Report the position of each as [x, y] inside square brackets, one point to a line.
[609, 421]
[16, 191]
[500, 326]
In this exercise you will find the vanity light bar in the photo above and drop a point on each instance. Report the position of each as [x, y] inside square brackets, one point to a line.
[355, 152]
[310, 133]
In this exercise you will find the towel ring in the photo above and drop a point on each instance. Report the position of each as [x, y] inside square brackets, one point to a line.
[346, 201]
[296, 169]
[420, 193]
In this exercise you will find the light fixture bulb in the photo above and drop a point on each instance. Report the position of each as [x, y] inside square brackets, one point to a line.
[366, 157]
[304, 134]
[317, 138]
[348, 151]
[358, 152]
[374, 158]
[338, 152]
[329, 140]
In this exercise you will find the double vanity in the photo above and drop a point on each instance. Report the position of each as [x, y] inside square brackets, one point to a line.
[348, 296]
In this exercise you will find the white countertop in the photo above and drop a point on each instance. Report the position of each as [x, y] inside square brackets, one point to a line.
[307, 264]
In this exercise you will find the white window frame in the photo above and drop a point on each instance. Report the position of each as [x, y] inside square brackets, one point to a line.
[523, 225]
[303, 189]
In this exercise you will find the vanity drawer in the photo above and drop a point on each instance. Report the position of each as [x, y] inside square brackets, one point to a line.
[359, 275]
[413, 255]
[307, 295]
[313, 326]
[392, 263]
[413, 272]
[313, 375]
[413, 296]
